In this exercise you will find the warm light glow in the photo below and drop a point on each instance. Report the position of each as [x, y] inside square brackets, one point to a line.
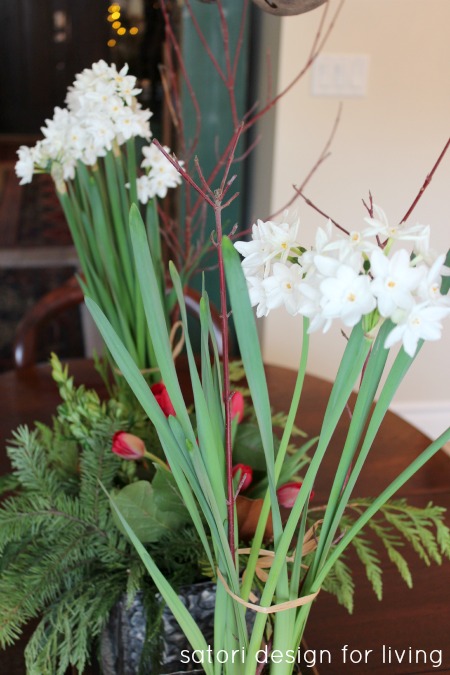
[134, 30]
[114, 16]
[111, 43]
[110, 18]
[114, 8]
[121, 31]
[116, 25]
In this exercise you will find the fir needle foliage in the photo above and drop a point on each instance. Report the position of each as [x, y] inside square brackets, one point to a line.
[63, 560]
[398, 526]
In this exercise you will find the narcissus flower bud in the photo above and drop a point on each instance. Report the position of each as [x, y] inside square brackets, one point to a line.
[128, 446]
[245, 474]
[237, 406]
[159, 391]
[287, 494]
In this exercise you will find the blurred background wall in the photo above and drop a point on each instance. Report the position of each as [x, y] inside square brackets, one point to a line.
[387, 141]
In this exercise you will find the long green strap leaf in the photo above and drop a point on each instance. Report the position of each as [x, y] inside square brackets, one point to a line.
[156, 320]
[176, 606]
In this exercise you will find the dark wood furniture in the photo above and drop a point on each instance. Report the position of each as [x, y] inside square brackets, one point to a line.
[69, 295]
[405, 620]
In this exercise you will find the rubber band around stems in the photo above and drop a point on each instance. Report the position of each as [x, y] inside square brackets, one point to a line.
[176, 350]
[265, 561]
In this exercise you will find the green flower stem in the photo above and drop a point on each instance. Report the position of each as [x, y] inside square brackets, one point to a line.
[393, 381]
[371, 379]
[120, 226]
[283, 626]
[262, 521]
[131, 166]
[354, 357]
[157, 460]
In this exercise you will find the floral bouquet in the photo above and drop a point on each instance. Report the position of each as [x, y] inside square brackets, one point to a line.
[90, 149]
[383, 295]
[266, 585]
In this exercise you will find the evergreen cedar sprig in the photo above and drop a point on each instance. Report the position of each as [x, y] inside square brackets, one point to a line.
[62, 558]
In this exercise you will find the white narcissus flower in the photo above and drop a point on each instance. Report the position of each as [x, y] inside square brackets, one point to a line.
[161, 176]
[379, 227]
[144, 191]
[423, 322]
[25, 164]
[394, 281]
[102, 109]
[258, 296]
[430, 286]
[258, 251]
[283, 287]
[347, 296]
[332, 280]
[284, 237]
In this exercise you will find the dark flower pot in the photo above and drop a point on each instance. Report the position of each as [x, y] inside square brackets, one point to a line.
[123, 638]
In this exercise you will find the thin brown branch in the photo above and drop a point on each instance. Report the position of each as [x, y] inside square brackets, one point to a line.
[177, 50]
[235, 141]
[228, 185]
[322, 213]
[236, 194]
[184, 174]
[369, 206]
[322, 157]
[248, 151]
[231, 82]
[426, 182]
[240, 39]
[318, 45]
[203, 179]
[204, 42]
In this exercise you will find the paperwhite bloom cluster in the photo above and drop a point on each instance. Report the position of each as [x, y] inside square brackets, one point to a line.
[161, 174]
[349, 277]
[102, 110]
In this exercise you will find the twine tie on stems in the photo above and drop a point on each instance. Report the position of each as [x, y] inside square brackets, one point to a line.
[265, 561]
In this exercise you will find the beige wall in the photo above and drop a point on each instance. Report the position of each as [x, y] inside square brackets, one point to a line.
[386, 142]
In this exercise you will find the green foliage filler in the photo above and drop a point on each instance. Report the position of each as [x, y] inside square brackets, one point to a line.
[63, 561]
[397, 525]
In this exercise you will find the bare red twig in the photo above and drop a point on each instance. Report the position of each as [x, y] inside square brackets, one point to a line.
[322, 213]
[184, 173]
[369, 206]
[177, 50]
[322, 157]
[317, 47]
[318, 44]
[426, 182]
[240, 40]
[204, 42]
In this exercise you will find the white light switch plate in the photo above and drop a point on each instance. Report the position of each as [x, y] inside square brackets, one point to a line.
[340, 75]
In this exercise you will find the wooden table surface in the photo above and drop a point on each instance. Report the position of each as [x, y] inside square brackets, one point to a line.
[395, 628]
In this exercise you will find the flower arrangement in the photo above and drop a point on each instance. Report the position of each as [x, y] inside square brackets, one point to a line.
[203, 454]
[90, 149]
[384, 296]
[351, 276]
